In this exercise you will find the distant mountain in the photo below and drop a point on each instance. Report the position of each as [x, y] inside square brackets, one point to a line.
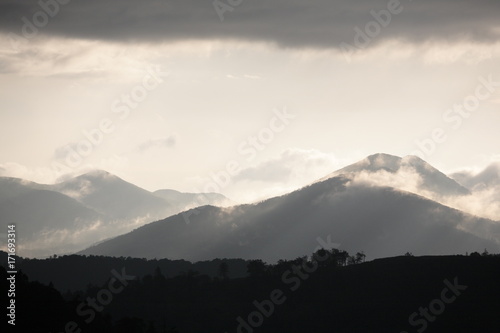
[45, 220]
[114, 197]
[407, 173]
[83, 210]
[186, 201]
[488, 178]
[12, 187]
[382, 221]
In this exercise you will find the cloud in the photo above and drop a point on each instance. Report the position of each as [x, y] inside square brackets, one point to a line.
[70, 240]
[291, 166]
[16, 170]
[252, 77]
[270, 171]
[60, 153]
[168, 142]
[487, 178]
[485, 187]
[80, 189]
[289, 23]
[483, 202]
[406, 179]
[73, 59]
[292, 169]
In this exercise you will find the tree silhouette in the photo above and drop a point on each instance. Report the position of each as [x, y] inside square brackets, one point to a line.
[129, 325]
[338, 257]
[256, 268]
[323, 257]
[360, 257]
[341, 256]
[158, 275]
[223, 270]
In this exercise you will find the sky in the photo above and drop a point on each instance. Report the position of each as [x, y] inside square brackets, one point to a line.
[247, 98]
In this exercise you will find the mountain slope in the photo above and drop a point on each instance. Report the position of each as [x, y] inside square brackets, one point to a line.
[379, 220]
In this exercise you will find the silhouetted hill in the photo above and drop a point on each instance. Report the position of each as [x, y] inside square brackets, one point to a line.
[41, 308]
[378, 296]
[74, 272]
[448, 294]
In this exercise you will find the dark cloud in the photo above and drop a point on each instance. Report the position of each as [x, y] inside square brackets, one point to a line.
[288, 23]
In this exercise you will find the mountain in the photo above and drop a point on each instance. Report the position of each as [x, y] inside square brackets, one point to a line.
[12, 187]
[114, 197]
[384, 205]
[487, 178]
[382, 221]
[184, 201]
[475, 194]
[83, 210]
[407, 173]
[42, 217]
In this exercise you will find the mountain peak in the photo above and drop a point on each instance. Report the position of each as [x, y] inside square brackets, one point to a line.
[93, 175]
[372, 163]
[384, 161]
[98, 174]
[403, 172]
[383, 156]
[393, 163]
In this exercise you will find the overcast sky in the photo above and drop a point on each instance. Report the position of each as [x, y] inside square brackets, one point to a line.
[265, 95]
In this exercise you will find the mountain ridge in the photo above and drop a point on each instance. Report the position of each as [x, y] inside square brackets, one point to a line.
[80, 211]
[266, 230]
